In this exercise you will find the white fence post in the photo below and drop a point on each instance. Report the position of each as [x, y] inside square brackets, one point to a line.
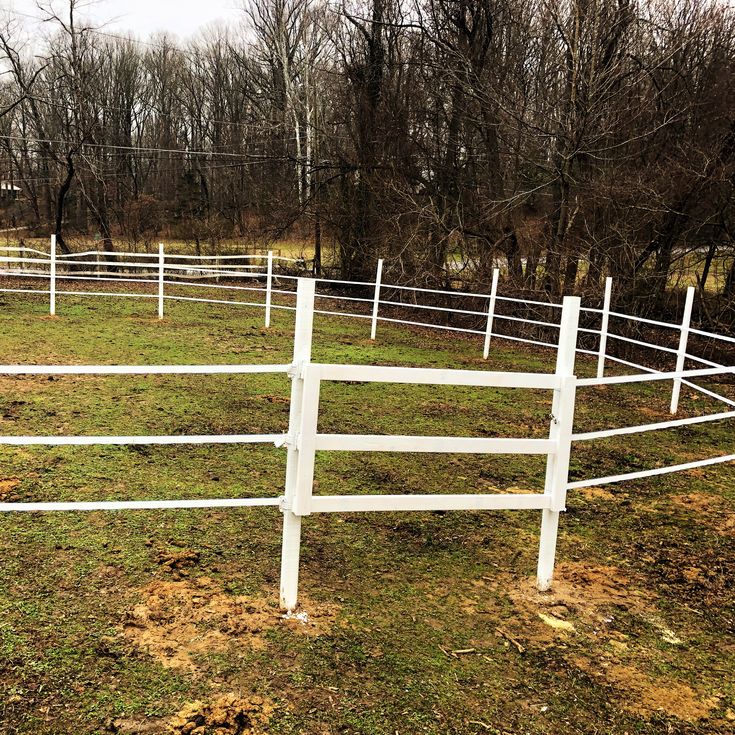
[269, 289]
[52, 278]
[682, 352]
[376, 298]
[307, 442]
[562, 421]
[491, 312]
[161, 271]
[604, 327]
[291, 548]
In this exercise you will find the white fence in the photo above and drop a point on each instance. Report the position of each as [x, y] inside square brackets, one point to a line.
[302, 440]
[171, 273]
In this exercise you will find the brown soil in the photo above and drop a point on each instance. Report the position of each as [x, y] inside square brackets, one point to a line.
[599, 493]
[579, 614]
[226, 715]
[644, 695]
[586, 592]
[713, 509]
[652, 412]
[176, 561]
[180, 622]
[277, 399]
[8, 486]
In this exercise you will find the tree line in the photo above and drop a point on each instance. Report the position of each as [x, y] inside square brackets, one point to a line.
[565, 139]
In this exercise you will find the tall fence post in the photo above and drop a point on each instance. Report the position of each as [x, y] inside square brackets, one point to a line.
[291, 547]
[491, 312]
[269, 289]
[52, 278]
[562, 422]
[604, 327]
[161, 272]
[681, 354]
[376, 298]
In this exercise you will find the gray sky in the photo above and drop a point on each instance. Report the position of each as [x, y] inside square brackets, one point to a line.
[143, 17]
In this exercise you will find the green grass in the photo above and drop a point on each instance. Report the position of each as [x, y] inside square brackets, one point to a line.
[409, 588]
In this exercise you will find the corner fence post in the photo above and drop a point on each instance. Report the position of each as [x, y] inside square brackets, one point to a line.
[681, 354]
[491, 312]
[291, 548]
[604, 327]
[161, 271]
[52, 278]
[562, 422]
[376, 299]
[269, 289]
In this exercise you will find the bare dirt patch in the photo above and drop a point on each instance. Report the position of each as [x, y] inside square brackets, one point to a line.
[226, 715]
[175, 561]
[713, 509]
[580, 614]
[181, 622]
[584, 592]
[644, 695]
[8, 486]
[599, 493]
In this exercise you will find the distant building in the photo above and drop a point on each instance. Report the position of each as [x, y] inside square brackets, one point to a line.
[8, 191]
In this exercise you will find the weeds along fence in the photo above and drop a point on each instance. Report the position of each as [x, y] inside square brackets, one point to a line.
[230, 278]
[302, 440]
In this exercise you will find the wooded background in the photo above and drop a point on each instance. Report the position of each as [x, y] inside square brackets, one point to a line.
[565, 141]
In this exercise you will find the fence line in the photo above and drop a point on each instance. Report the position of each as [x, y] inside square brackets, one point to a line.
[168, 274]
[302, 440]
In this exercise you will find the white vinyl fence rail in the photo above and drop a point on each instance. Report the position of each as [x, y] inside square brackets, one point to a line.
[302, 439]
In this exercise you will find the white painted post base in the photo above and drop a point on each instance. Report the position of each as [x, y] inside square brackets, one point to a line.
[547, 549]
[290, 555]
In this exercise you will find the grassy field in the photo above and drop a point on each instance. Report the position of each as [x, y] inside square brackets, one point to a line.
[167, 622]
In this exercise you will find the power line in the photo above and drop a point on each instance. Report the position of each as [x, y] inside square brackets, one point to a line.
[141, 149]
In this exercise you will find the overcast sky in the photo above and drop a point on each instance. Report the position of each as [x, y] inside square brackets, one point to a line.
[143, 17]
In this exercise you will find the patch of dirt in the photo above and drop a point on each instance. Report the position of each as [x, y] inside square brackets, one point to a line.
[178, 622]
[652, 412]
[579, 614]
[17, 384]
[645, 695]
[277, 399]
[713, 509]
[226, 715]
[8, 486]
[585, 592]
[598, 493]
[136, 726]
[175, 561]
